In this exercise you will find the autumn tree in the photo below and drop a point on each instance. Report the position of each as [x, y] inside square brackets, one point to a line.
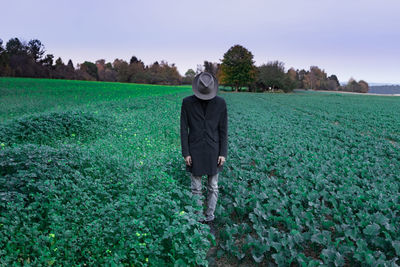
[110, 74]
[331, 83]
[105, 71]
[101, 68]
[88, 71]
[301, 74]
[173, 76]
[136, 70]
[293, 75]
[292, 79]
[22, 59]
[315, 78]
[238, 67]
[121, 67]
[221, 75]
[154, 73]
[163, 73]
[364, 86]
[354, 86]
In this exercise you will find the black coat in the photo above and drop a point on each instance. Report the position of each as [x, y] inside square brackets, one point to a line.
[207, 137]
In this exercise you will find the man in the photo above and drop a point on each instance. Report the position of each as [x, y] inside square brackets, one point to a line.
[205, 145]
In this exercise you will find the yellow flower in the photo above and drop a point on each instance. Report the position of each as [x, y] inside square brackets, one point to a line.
[52, 235]
[2, 144]
[137, 234]
[182, 212]
[147, 259]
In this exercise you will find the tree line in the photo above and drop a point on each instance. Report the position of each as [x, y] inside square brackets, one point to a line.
[236, 70]
[28, 59]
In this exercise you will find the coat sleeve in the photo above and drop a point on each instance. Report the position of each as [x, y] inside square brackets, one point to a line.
[223, 133]
[184, 132]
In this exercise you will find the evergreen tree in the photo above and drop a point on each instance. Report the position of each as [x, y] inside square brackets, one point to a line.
[70, 65]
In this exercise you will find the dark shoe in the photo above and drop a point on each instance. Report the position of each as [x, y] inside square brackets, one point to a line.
[212, 227]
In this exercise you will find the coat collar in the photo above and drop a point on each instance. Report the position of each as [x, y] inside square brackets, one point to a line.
[199, 108]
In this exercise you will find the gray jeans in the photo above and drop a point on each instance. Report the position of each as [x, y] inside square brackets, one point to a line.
[212, 193]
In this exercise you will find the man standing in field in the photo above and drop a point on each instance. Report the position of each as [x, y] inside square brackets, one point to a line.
[205, 145]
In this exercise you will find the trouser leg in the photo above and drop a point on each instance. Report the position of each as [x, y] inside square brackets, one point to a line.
[196, 188]
[212, 196]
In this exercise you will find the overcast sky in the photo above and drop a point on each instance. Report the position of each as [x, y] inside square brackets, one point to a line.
[349, 38]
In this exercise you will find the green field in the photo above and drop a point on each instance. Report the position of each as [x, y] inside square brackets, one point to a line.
[92, 173]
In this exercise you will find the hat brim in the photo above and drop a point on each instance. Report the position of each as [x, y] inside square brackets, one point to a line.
[204, 96]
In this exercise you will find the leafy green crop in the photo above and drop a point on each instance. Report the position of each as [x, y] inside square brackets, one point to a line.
[91, 173]
[54, 126]
[97, 184]
[314, 177]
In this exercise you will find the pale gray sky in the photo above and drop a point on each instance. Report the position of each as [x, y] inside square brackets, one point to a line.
[349, 38]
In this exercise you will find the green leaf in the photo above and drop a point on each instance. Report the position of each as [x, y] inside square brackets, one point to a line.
[369, 259]
[329, 254]
[339, 260]
[180, 263]
[372, 229]
[257, 258]
[396, 246]
[313, 263]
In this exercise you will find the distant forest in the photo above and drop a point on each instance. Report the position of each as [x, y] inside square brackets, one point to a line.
[237, 70]
[21, 59]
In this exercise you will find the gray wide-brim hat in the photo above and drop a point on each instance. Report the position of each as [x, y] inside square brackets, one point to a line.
[205, 86]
